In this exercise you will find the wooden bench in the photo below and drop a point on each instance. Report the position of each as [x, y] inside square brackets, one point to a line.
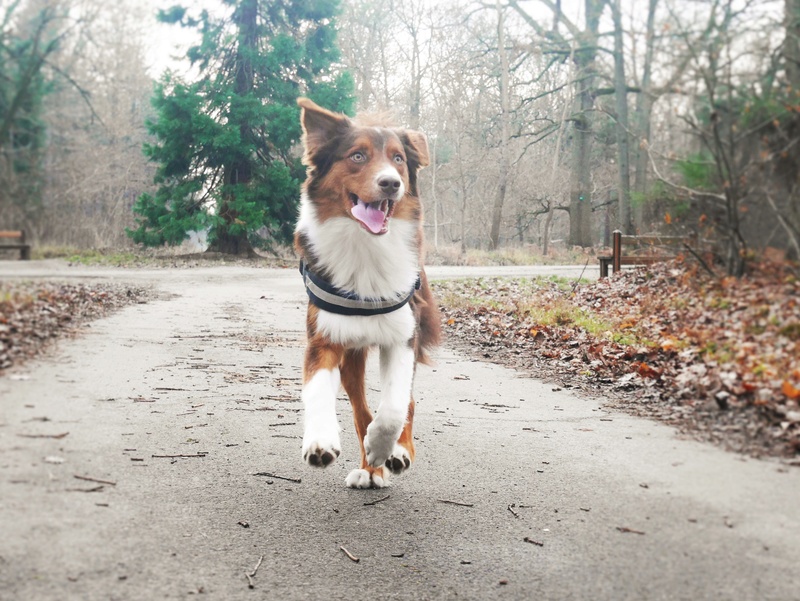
[657, 248]
[15, 240]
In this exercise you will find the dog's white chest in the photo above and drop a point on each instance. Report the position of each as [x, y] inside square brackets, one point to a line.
[371, 266]
[353, 331]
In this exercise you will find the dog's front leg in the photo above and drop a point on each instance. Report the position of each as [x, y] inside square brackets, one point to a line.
[397, 375]
[321, 445]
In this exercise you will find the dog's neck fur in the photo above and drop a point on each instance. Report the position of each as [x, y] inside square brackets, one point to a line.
[371, 266]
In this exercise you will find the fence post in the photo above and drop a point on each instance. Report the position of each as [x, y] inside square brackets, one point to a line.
[616, 252]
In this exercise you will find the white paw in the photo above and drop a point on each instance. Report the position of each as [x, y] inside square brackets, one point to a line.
[362, 479]
[321, 451]
[380, 442]
[399, 461]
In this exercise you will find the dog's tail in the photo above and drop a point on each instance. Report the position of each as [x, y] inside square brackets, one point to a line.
[429, 325]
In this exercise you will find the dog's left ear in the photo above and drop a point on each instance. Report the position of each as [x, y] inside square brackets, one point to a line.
[416, 145]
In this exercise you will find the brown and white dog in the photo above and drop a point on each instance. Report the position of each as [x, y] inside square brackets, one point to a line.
[359, 235]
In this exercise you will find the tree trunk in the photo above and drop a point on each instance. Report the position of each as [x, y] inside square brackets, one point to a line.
[641, 119]
[624, 216]
[791, 44]
[580, 201]
[434, 199]
[239, 172]
[580, 181]
[229, 244]
[551, 208]
[502, 184]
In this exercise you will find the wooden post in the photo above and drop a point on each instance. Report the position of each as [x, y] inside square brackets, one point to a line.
[616, 252]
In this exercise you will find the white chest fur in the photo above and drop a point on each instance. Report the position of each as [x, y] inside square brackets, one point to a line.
[390, 329]
[369, 265]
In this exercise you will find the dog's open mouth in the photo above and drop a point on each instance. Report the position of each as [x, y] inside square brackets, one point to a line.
[373, 216]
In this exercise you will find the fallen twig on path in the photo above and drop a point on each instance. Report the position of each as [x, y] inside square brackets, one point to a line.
[514, 513]
[57, 436]
[533, 542]
[269, 475]
[93, 489]
[352, 557]
[179, 456]
[251, 575]
[98, 480]
[455, 503]
[376, 501]
[630, 530]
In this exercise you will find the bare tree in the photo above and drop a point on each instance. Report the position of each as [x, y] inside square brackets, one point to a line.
[502, 183]
[624, 214]
[95, 168]
[584, 56]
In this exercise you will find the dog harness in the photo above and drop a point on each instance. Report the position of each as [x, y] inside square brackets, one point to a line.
[329, 298]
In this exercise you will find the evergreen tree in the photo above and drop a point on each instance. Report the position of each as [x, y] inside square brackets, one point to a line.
[225, 141]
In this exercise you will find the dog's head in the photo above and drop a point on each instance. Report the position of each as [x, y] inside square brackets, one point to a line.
[364, 172]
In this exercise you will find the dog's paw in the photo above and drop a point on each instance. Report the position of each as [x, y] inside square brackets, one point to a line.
[321, 455]
[379, 443]
[366, 479]
[399, 461]
[321, 443]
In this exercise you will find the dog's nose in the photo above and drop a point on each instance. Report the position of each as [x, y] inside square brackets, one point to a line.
[389, 184]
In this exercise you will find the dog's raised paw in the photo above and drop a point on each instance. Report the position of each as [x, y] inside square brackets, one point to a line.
[320, 456]
[364, 479]
[379, 443]
[399, 461]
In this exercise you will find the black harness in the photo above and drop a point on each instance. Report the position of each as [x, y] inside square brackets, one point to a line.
[329, 298]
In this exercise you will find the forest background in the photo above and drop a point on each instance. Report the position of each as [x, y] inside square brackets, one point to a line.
[550, 122]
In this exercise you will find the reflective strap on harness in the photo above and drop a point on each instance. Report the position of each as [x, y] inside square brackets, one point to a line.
[328, 297]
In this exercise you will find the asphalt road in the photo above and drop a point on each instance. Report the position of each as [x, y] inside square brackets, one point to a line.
[180, 401]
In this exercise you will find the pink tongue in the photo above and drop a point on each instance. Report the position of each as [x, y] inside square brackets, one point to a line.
[370, 216]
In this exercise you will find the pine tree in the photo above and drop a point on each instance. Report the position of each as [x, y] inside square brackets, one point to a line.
[226, 141]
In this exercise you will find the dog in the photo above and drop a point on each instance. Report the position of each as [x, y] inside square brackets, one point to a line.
[359, 236]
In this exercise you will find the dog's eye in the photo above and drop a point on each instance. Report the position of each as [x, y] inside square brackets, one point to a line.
[358, 157]
[398, 158]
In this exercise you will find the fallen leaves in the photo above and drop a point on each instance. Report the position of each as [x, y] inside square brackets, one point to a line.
[719, 358]
[34, 314]
[790, 390]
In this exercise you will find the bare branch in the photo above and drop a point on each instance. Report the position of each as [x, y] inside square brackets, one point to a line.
[689, 191]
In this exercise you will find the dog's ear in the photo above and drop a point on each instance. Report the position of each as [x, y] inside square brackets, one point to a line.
[416, 145]
[319, 126]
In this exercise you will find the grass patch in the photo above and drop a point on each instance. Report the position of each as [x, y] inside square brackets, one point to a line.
[519, 255]
[91, 256]
[99, 257]
[545, 301]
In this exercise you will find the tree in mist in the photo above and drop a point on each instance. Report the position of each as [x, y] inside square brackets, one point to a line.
[29, 37]
[737, 180]
[224, 141]
[95, 128]
[581, 48]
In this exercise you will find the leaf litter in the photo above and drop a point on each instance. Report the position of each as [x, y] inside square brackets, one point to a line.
[33, 314]
[719, 358]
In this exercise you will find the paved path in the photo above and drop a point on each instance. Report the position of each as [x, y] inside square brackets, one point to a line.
[618, 507]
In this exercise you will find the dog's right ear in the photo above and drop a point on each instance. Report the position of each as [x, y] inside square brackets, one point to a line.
[319, 126]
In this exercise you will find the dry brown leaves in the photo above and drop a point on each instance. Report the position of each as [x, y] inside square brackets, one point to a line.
[33, 314]
[719, 358]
